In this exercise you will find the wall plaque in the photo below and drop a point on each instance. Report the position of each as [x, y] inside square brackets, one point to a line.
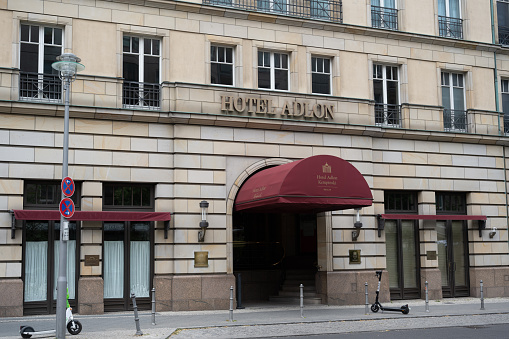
[91, 260]
[355, 256]
[431, 255]
[201, 259]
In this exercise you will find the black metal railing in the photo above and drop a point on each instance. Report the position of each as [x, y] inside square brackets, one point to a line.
[40, 87]
[449, 27]
[383, 17]
[387, 115]
[506, 125]
[503, 35]
[329, 10]
[455, 120]
[141, 95]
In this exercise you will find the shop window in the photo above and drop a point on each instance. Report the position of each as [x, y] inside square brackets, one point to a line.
[39, 48]
[221, 65]
[273, 70]
[321, 75]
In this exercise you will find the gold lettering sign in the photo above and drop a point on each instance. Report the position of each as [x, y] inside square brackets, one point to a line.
[201, 259]
[91, 260]
[264, 106]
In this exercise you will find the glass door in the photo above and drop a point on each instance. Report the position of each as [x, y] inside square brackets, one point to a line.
[453, 257]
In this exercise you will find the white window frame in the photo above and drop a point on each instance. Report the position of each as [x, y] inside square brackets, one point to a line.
[504, 90]
[272, 68]
[384, 80]
[315, 62]
[448, 11]
[217, 46]
[451, 96]
[41, 44]
[141, 54]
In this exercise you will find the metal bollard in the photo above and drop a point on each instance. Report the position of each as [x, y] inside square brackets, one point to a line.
[231, 303]
[239, 291]
[301, 300]
[136, 318]
[366, 308]
[153, 306]
[482, 297]
[427, 300]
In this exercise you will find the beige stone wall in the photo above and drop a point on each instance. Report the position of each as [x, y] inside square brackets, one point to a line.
[418, 17]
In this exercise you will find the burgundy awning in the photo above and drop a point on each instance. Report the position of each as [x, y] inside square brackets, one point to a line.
[432, 217]
[93, 215]
[315, 184]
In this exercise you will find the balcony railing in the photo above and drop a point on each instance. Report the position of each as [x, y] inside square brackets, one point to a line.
[387, 115]
[329, 10]
[503, 35]
[506, 125]
[455, 120]
[449, 27]
[383, 17]
[141, 95]
[40, 87]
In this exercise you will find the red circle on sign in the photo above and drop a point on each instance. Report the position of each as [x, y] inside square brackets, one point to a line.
[67, 186]
[66, 208]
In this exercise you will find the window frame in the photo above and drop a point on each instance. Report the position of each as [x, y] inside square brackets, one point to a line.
[504, 93]
[272, 69]
[451, 87]
[315, 71]
[214, 61]
[114, 207]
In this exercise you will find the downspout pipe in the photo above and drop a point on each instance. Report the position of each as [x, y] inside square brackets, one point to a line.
[497, 106]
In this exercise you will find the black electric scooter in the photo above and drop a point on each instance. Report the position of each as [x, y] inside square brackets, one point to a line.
[377, 306]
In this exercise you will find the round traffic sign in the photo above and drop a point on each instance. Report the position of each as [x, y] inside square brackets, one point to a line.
[68, 186]
[66, 208]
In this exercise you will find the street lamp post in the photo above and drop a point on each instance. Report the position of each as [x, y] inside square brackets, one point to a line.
[67, 66]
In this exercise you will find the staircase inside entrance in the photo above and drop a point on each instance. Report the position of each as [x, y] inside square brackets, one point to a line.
[290, 289]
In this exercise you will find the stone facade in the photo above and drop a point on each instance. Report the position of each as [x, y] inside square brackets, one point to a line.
[194, 148]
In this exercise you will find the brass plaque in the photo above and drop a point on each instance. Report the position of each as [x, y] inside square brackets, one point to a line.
[355, 256]
[201, 259]
[431, 255]
[91, 260]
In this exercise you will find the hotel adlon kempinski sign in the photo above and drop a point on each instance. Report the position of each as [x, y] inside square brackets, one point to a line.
[264, 106]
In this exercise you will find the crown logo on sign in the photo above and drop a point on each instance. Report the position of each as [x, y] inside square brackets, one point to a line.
[326, 168]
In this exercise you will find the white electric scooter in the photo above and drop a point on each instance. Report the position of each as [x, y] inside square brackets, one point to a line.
[73, 326]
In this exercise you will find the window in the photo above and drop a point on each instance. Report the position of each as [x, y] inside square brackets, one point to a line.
[272, 5]
[127, 196]
[451, 203]
[321, 75]
[221, 65]
[384, 14]
[450, 24]
[39, 48]
[503, 21]
[505, 104]
[386, 92]
[320, 9]
[141, 59]
[402, 246]
[273, 70]
[453, 100]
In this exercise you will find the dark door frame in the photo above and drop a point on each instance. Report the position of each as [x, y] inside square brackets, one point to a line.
[451, 290]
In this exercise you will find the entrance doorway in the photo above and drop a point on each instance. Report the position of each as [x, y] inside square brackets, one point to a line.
[268, 245]
[453, 258]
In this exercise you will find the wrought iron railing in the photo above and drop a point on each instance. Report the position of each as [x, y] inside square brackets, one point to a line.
[449, 27]
[383, 17]
[506, 125]
[503, 35]
[40, 87]
[387, 115]
[455, 120]
[141, 95]
[329, 10]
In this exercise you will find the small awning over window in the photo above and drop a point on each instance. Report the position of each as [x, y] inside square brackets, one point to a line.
[431, 217]
[93, 215]
[315, 184]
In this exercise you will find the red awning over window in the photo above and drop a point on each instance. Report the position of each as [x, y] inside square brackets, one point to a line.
[315, 184]
[432, 217]
[93, 215]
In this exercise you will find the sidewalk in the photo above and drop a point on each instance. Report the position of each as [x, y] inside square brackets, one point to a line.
[268, 320]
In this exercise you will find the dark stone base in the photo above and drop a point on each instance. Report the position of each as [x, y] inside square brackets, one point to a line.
[90, 293]
[163, 287]
[495, 282]
[348, 288]
[11, 298]
[259, 284]
[434, 278]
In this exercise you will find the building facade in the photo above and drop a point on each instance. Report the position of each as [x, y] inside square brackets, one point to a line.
[401, 104]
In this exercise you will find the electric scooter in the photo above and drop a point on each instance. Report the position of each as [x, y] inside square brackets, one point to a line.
[377, 306]
[73, 326]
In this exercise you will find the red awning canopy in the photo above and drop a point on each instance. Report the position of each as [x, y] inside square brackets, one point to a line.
[315, 184]
[432, 217]
[93, 215]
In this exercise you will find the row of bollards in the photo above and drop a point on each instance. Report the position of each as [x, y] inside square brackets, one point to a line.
[135, 308]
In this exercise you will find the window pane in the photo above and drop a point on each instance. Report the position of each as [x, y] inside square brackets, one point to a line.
[29, 58]
[155, 47]
[313, 64]
[48, 35]
[502, 13]
[326, 66]
[284, 61]
[136, 196]
[378, 91]
[50, 56]
[458, 99]
[145, 196]
[126, 44]
[446, 98]
[392, 93]
[220, 54]
[391, 245]
[409, 254]
[213, 53]
[260, 58]
[151, 69]
[118, 197]
[57, 36]
[321, 83]
[131, 67]
[263, 77]
[25, 33]
[34, 33]
[128, 196]
[281, 81]
[147, 46]
[229, 55]
[30, 192]
[135, 45]
[108, 195]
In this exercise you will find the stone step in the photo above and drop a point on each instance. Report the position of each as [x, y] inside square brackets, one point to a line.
[296, 294]
[292, 300]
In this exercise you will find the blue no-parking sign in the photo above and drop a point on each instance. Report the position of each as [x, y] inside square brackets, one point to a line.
[66, 208]
[68, 186]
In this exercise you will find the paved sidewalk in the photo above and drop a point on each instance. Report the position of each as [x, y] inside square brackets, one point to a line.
[267, 320]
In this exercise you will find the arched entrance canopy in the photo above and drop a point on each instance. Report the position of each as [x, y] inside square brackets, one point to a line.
[315, 184]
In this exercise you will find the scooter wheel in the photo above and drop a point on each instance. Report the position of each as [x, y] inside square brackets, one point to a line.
[405, 310]
[74, 327]
[26, 329]
[375, 308]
